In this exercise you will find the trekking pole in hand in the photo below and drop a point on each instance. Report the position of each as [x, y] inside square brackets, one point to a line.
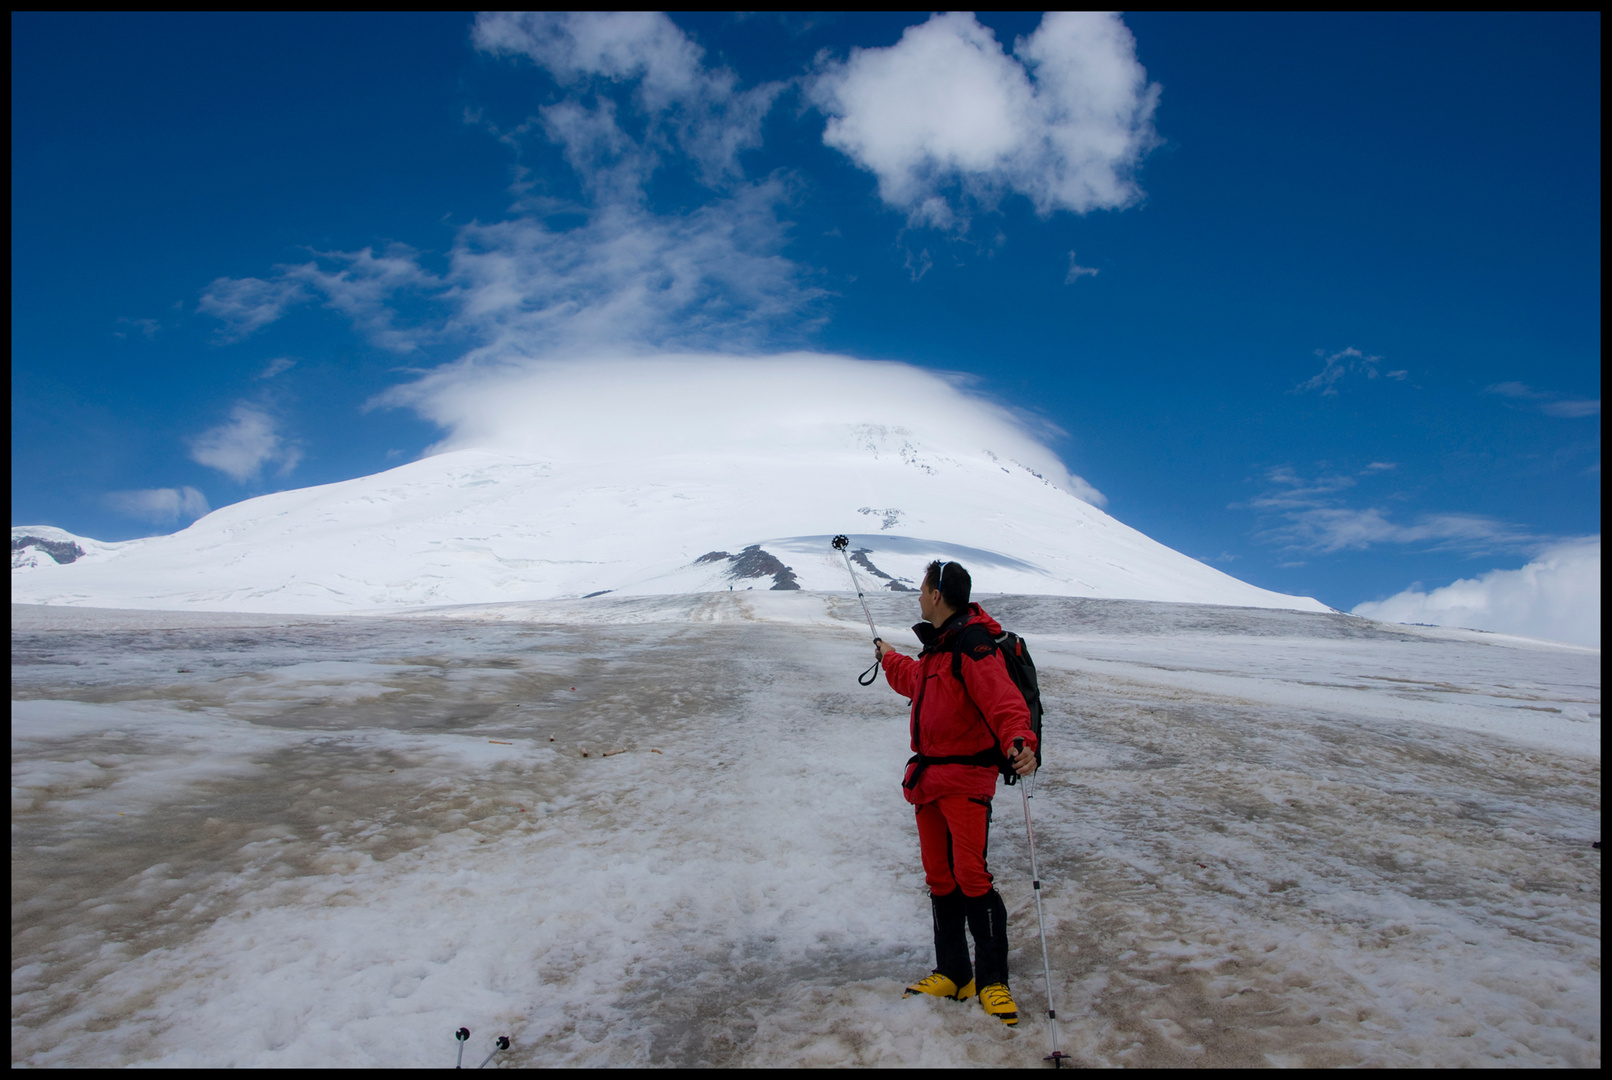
[841, 543]
[1057, 1056]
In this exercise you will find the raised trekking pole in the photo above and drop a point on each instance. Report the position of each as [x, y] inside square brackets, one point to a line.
[1057, 1056]
[841, 544]
[461, 1035]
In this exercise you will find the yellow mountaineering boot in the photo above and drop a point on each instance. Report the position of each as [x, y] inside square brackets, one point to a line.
[999, 1003]
[940, 986]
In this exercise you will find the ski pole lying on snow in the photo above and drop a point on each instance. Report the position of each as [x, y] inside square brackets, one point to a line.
[841, 543]
[1057, 1056]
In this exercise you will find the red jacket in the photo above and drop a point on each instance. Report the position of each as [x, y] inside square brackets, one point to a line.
[957, 719]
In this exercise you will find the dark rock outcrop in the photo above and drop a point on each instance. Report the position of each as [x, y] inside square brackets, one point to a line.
[860, 556]
[752, 562]
[60, 550]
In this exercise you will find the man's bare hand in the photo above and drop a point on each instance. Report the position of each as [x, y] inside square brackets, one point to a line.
[881, 646]
[1023, 760]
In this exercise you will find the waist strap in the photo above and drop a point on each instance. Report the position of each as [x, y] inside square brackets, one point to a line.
[985, 759]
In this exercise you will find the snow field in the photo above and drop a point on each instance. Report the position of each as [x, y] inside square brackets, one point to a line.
[307, 847]
[480, 526]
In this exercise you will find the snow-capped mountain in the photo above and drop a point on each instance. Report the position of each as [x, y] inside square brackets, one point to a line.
[655, 489]
[33, 546]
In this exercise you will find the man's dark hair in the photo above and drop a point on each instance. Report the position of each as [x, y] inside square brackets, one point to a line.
[951, 581]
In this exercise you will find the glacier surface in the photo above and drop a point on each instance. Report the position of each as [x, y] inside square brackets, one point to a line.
[667, 830]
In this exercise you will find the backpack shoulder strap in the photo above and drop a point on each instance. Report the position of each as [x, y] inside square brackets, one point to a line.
[976, 641]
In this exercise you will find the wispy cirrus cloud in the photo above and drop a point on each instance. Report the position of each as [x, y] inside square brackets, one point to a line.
[363, 286]
[625, 277]
[691, 108]
[1076, 271]
[161, 506]
[1350, 361]
[246, 305]
[241, 446]
[1549, 402]
[710, 278]
[277, 366]
[1308, 515]
[948, 121]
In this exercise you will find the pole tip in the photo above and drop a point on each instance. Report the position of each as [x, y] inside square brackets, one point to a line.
[841, 542]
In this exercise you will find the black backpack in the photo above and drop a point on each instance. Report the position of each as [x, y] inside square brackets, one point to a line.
[1020, 668]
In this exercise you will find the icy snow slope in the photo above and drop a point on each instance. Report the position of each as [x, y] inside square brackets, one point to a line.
[1267, 837]
[623, 497]
[470, 526]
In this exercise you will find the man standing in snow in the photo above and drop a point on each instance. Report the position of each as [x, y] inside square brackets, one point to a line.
[966, 713]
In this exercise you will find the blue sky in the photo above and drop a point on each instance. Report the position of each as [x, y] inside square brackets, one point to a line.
[1343, 333]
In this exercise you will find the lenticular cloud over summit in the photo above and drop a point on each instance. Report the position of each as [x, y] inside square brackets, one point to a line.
[796, 404]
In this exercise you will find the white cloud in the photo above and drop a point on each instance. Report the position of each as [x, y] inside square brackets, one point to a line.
[1510, 389]
[695, 109]
[1330, 529]
[626, 277]
[1339, 364]
[276, 366]
[684, 403]
[362, 286]
[1548, 402]
[241, 447]
[246, 305]
[613, 166]
[711, 278]
[618, 45]
[945, 118]
[1076, 271]
[1557, 596]
[1313, 519]
[359, 284]
[159, 505]
[1571, 408]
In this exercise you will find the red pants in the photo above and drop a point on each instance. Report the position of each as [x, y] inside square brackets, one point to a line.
[953, 832]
